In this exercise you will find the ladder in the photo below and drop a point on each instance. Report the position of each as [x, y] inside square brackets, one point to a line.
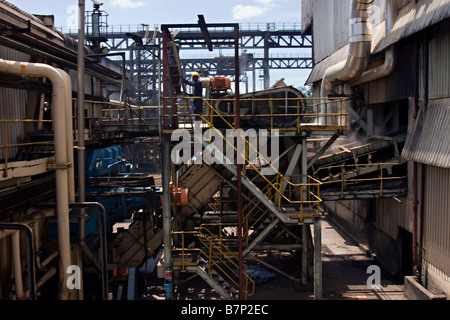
[175, 77]
[174, 68]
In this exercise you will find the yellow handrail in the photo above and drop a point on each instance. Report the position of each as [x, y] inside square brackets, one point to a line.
[217, 254]
[7, 145]
[339, 178]
[281, 179]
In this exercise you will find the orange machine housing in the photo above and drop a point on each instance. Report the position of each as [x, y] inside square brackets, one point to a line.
[179, 196]
[220, 83]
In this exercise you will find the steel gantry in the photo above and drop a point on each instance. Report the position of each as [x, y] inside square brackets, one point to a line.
[141, 45]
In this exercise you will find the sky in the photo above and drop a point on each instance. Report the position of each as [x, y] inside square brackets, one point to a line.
[152, 12]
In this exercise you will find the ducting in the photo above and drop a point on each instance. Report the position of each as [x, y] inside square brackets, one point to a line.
[390, 53]
[360, 45]
[59, 101]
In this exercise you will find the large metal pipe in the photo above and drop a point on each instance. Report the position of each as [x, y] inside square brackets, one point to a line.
[80, 108]
[237, 124]
[360, 45]
[61, 161]
[17, 265]
[69, 134]
[390, 53]
[30, 255]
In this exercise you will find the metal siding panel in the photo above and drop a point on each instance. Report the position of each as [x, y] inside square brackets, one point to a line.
[12, 107]
[330, 36]
[428, 139]
[413, 18]
[437, 218]
[439, 66]
[11, 54]
[307, 12]
[390, 214]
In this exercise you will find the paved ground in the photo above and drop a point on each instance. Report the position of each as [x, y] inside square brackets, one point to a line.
[344, 276]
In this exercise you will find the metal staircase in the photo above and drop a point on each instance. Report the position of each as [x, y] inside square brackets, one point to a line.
[262, 213]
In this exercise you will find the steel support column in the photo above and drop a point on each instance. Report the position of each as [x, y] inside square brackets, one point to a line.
[237, 124]
[317, 259]
[304, 172]
[167, 216]
[80, 127]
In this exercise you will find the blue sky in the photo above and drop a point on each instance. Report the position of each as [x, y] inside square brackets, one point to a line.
[172, 11]
[154, 12]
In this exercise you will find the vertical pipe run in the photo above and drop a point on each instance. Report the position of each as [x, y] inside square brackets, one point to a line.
[80, 104]
[80, 121]
[237, 124]
[30, 253]
[69, 134]
[15, 243]
[61, 161]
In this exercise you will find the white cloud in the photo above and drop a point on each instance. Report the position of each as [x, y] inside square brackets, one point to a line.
[127, 4]
[242, 12]
[265, 2]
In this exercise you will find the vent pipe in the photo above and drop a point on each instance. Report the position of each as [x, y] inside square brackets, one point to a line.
[359, 50]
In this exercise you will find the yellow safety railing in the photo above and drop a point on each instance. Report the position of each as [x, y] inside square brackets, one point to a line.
[359, 169]
[274, 186]
[304, 120]
[216, 253]
[7, 146]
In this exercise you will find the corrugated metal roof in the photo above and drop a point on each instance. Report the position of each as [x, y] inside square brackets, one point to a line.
[411, 19]
[319, 69]
[428, 139]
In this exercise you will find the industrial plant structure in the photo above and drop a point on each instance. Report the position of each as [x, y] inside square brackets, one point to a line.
[108, 179]
[390, 57]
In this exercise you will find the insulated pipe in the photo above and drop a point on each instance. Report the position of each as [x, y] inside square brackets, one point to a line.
[390, 55]
[360, 45]
[379, 72]
[69, 134]
[30, 254]
[17, 265]
[61, 162]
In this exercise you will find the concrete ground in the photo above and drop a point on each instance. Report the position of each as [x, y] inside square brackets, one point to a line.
[344, 276]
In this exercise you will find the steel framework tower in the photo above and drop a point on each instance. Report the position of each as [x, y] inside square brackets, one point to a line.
[142, 47]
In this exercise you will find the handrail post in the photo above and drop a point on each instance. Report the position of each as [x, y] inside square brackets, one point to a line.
[381, 180]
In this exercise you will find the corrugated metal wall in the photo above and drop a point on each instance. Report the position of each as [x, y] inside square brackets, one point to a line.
[307, 11]
[399, 85]
[437, 218]
[439, 66]
[330, 25]
[13, 104]
[390, 214]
